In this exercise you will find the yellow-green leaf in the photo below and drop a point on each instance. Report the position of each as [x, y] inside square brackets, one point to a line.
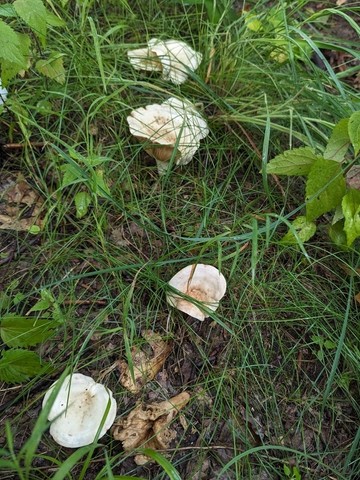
[292, 162]
[34, 14]
[10, 50]
[354, 131]
[82, 203]
[53, 67]
[351, 210]
[17, 331]
[338, 142]
[325, 188]
[304, 231]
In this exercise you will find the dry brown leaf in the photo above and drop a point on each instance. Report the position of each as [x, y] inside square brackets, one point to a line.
[357, 297]
[145, 367]
[149, 424]
[353, 177]
[20, 205]
[340, 2]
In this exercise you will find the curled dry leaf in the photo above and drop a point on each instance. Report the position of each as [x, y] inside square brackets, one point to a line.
[20, 205]
[145, 367]
[149, 425]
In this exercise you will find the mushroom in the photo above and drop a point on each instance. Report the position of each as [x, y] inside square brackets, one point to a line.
[78, 411]
[173, 58]
[172, 129]
[203, 283]
[3, 93]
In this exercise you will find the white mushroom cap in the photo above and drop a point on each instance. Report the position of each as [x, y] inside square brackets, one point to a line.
[173, 57]
[173, 128]
[202, 282]
[3, 93]
[78, 410]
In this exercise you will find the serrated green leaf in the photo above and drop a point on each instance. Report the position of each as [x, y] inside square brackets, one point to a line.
[7, 10]
[41, 305]
[354, 131]
[82, 203]
[34, 13]
[292, 162]
[10, 69]
[53, 67]
[10, 50]
[17, 331]
[304, 230]
[99, 184]
[18, 365]
[325, 188]
[338, 142]
[351, 209]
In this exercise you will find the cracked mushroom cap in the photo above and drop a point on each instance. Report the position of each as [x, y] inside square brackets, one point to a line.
[204, 283]
[173, 128]
[78, 410]
[173, 58]
[3, 93]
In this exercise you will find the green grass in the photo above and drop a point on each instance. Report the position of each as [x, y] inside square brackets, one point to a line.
[260, 396]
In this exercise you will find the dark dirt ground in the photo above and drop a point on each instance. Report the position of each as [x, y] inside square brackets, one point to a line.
[185, 368]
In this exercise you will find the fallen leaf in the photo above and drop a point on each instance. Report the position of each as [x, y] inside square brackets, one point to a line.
[149, 424]
[353, 177]
[357, 297]
[340, 2]
[20, 205]
[145, 367]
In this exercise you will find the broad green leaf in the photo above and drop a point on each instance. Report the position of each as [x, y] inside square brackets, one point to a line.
[17, 331]
[34, 14]
[338, 142]
[82, 203]
[41, 305]
[18, 365]
[325, 188]
[351, 209]
[53, 67]
[354, 131]
[70, 175]
[7, 10]
[292, 162]
[10, 48]
[94, 160]
[99, 184]
[338, 235]
[252, 21]
[304, 230]
[10, 69]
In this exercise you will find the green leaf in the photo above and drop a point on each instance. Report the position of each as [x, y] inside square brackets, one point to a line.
[337, 234]
[325, 188]
[351, 209]
[338, 142]
[99, 185]
[70, 175]
[34, 14]
[10, 69]
[54, 20]
[82, 203]
[53, 67]
[10, 48]
[354, 131]
[18, 365]
[292, 162]
[329, 345]
[17, 331]
[7, 10]
[304, 230]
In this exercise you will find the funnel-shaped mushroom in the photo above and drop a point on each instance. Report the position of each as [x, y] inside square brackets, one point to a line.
[78, 411]
[203, 283]
[173, 58]
[172, 129]
[3, 93]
